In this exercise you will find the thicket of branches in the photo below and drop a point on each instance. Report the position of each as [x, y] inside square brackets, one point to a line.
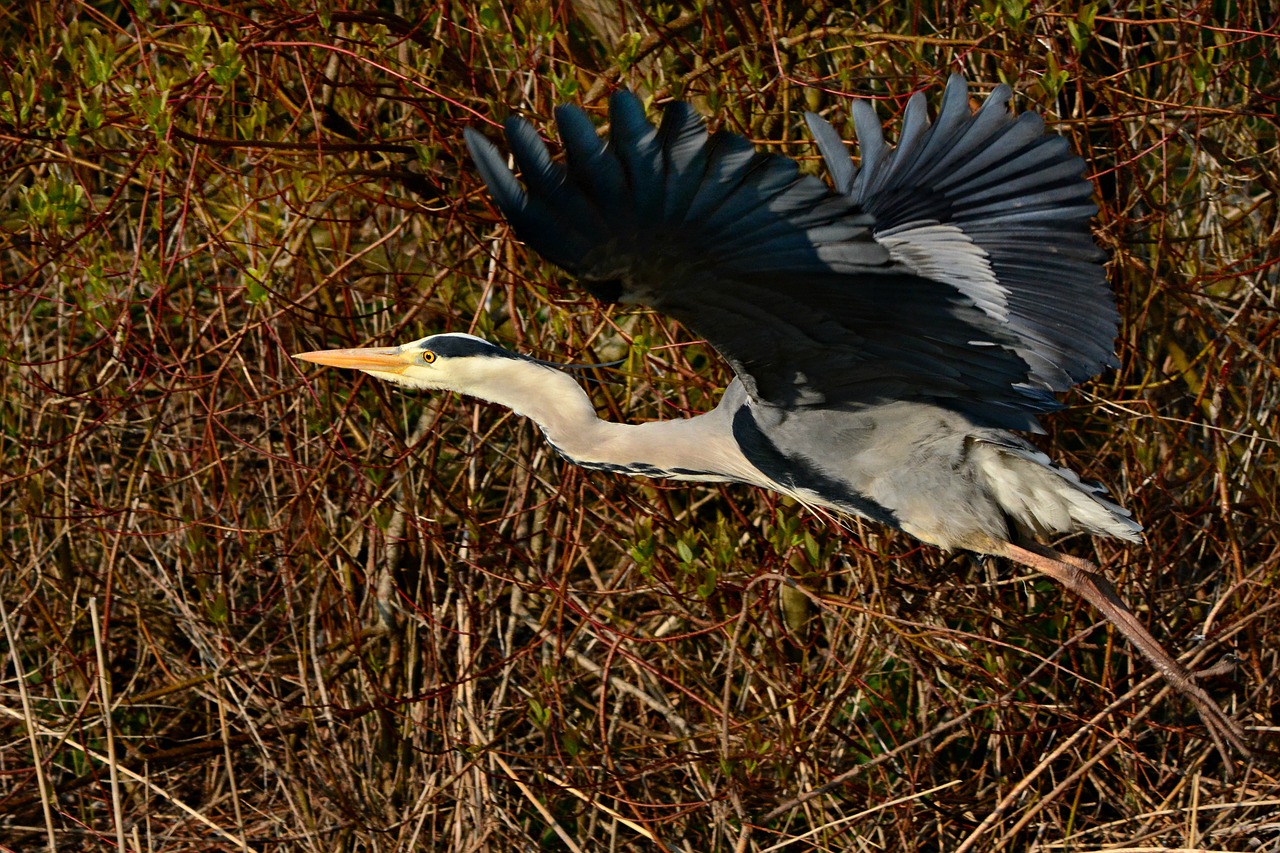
[249, 604]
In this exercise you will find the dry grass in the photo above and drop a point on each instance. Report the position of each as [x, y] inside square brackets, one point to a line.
[247, 605]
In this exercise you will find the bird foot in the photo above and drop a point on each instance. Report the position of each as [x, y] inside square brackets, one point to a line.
[1225, 666]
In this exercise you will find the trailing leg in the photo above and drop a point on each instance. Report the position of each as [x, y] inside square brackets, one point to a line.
[1083, 579]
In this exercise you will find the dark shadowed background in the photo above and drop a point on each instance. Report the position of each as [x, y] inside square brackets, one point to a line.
[250, 604]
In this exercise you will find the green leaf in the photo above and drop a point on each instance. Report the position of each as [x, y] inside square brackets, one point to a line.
[227, 65]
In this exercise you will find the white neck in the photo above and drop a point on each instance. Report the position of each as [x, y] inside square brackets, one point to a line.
[548, 397]
[698, 448]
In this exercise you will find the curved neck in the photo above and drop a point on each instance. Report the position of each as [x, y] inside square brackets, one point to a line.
[697, 448]
[548, 397]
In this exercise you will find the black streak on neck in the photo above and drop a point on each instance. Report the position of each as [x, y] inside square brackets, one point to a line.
[798, 473]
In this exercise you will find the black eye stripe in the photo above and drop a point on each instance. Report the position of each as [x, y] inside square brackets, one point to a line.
[456, 346]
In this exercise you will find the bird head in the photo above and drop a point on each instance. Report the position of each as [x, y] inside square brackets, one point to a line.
[448, 362]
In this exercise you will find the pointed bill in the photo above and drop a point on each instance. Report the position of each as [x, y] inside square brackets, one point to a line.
[377, 359]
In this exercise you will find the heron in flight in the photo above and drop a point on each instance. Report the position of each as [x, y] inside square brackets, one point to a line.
[887, 335]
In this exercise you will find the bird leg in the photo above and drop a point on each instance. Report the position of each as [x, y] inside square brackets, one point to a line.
[1082, 578]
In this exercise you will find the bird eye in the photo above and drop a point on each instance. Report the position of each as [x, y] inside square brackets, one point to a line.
[428, 356]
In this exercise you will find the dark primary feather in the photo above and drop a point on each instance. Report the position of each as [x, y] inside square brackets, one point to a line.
[914, 282]
[1017, 194]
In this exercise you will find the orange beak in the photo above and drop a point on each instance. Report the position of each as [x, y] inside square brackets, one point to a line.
[380, 359]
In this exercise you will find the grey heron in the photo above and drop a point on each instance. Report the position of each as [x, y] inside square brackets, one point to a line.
[887, 335]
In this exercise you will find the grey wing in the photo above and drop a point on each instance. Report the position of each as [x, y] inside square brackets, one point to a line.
[786, 278]
[993, 206]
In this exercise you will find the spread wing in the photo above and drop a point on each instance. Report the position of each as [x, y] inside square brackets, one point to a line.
[818, 297]
[996, 208]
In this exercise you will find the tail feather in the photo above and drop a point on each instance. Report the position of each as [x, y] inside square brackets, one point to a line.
[1044, 499]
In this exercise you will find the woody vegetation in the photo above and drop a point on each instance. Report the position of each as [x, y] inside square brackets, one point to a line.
[249, 606]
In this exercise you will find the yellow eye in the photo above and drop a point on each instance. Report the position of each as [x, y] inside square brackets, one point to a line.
[428, 356]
